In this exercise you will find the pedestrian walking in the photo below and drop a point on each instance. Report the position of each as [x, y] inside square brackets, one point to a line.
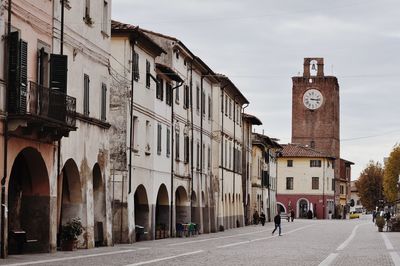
[373, 216]
[277, 221]
[255, 217]
[262, 218]
[292, 215]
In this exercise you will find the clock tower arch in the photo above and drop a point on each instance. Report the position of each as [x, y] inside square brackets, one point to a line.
[316, 110]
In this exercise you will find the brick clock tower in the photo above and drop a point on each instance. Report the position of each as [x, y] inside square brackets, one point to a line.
[315, 110]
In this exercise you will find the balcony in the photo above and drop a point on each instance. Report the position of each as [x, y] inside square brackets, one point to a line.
[49, 112]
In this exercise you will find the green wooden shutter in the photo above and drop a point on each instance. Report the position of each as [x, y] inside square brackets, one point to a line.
[58, 72]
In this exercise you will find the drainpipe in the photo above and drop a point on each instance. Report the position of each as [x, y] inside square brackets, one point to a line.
[4, 219]
[201, 132]
[244, 153]
[172, 155]
[222, 145]
[61, 53]
[323, 189]
[269, 186]
[131, 118]
[234, 145]
[191, 139]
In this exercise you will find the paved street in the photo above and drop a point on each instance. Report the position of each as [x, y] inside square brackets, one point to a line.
[303, 242]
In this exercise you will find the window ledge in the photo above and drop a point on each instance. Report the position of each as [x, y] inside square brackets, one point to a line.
[88, 20]
[105, 34]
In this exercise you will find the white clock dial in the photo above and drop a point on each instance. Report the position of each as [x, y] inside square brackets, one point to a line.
[312, 99]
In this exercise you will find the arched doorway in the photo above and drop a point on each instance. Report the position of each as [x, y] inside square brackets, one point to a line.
[141, 213]
[69, 196]
[280, 207]
[162, 213]
[29, 203]
[182, 208]
[99, 207]
[302, 208]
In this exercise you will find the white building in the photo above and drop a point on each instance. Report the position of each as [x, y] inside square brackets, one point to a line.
[305, 182]
[228, 102]
[263, 175]
[192, 184]
[83, 184]
[248, 122]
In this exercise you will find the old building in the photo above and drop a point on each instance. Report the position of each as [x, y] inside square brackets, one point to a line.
[54, 136]
[305, 181]
[83, 183]
[192, 134]
[40, 114]
[228, 102]
[141, 99]
[264, 175]
[344, 191]
[170, 178]
[248, 121]
[358, 207]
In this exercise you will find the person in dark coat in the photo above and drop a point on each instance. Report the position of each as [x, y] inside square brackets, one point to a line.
[309, 214]
[262, 218]
[255, 217]
[292, 215]
[277, 221]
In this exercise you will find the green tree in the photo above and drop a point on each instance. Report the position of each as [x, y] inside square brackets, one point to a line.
[391, 176]
[369, 185]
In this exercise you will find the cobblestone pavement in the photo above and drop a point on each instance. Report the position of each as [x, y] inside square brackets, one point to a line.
[304, 242]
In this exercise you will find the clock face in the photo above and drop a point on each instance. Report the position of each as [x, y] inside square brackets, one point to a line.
[312, 99]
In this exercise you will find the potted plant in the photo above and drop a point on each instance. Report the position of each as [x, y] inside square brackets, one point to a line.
[380, 222]
[70, 233]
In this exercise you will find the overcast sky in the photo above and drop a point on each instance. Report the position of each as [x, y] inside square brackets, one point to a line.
[260, 45]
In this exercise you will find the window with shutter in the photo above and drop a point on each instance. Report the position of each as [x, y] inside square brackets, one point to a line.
[197, 98]
[177, 94]
[160, 88]
[203, 157]
[198, 156]
[209, 158]
[168, 148]
[13, 72]
[186, 148]
[105, 22]
[148, 74]
[17, 74]
[177, 145]
[209, 107]
[186, 97]
[203, 103]
[86, 83]
[58, 72]
[159, 139]
[23, 81]
[103, 101]
[315, 183]
[136, 75]
[168, 95]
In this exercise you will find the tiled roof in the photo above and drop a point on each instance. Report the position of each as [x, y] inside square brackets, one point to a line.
[253, 119]
[297, 150]
[116, 25]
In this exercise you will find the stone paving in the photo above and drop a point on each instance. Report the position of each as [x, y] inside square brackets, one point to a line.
[304, 242]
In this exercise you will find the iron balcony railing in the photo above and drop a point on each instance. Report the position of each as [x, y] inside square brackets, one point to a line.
[50, 103]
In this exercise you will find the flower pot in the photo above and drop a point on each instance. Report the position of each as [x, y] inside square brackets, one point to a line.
[68, 245]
